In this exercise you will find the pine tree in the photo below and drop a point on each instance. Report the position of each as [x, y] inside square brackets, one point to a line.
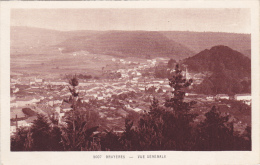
[151, 128]
[168, 127]
[216, 133]
[171, 63]
[55, 139]
[176, 103]
[41, 134]
[78, 132]
[178, 118]
[19, 140]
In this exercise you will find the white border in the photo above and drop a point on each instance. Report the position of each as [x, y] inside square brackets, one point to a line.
[173, 157]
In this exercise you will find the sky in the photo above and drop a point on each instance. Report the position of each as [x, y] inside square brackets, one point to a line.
[215, 20]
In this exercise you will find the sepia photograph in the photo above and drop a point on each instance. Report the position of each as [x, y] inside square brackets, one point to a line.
[131, 79]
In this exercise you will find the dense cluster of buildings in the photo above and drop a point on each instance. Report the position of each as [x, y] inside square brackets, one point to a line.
[131, 91]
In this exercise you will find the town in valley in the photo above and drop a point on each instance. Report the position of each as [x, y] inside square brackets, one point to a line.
[162, 82]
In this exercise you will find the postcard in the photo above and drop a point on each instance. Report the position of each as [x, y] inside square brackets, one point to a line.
[149, 82]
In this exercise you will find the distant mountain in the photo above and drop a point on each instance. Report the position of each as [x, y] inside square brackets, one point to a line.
[30, 37]
[125, 43]
[231, 70]
[198, 41]
[247, 53]
[30, 40]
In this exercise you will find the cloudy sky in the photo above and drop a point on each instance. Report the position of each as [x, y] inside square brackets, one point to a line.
[215, 20]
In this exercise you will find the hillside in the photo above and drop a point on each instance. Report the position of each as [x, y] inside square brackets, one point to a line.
[30, 40]
[231, 70]
[27, 36]
[123, 43]
[220, 56]
[197, 41]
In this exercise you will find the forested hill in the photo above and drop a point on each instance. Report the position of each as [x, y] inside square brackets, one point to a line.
[231, 71]
[220, 58]
[125, 43]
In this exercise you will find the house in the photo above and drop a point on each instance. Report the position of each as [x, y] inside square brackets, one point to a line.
[16, 90]
[23, 123]
[246, 98]
[137, 109]
[100, 98]
[242, 97]
[61, 115]
[12, 129]
[138, 74]
[113, 108]
[82, 84]
[13, 80]
[58, 83]
[210, 98]
[134, 82]
[38, 80]
[50, 103]
[159, 82]
[222, 96]
[54, 101]
[57, 109]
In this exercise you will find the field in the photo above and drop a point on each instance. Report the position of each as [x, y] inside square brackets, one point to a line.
[52, 65]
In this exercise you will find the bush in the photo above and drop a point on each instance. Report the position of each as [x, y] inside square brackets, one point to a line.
[28, 112]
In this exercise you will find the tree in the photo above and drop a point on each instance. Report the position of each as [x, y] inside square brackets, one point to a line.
[151, 128]
[171, 63]
[28, 112]
[213, 130]
[221, 81]
[206, 87]
[78, 132]
[160, 72]
[55, 139]
[168, 127]
[178, 119]
[111, 142]
[217, 134]
[41, 134]
[20, 141]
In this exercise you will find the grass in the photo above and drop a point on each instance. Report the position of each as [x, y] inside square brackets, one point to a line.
[57, 64]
